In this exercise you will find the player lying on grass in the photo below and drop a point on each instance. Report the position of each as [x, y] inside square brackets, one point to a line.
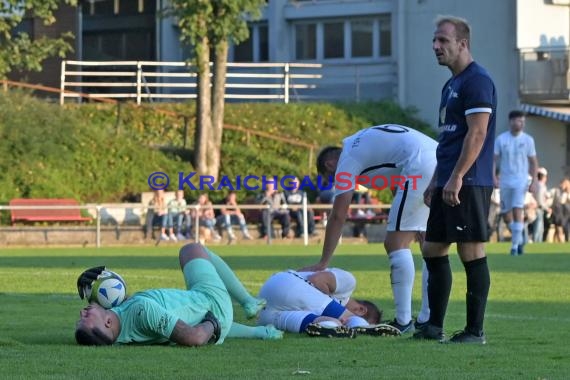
[199, 315]
[320, 304]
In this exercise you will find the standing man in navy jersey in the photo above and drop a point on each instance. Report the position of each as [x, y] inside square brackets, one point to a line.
[460, 191]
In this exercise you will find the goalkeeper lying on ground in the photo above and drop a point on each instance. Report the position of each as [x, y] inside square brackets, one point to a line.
[199, 315]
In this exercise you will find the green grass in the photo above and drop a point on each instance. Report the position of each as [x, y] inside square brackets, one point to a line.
[527, 322]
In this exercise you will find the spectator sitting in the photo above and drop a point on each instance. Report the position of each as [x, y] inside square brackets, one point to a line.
[231, 214]
[177, 211]
[278, 210]
[157, 214]
[294, 200]
[326, 191]
[362, 193]
[206, 216]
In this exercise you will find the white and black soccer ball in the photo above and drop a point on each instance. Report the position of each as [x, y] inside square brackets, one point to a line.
[109, 290]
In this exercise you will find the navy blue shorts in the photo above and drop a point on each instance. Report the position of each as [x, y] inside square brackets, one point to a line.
[467, 222]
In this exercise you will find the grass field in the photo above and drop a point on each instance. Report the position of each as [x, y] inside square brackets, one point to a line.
[527, 325]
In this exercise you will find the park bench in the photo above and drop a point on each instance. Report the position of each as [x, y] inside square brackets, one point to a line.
[42, 214]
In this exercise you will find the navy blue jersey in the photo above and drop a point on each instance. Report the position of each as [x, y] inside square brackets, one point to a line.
[472, 91]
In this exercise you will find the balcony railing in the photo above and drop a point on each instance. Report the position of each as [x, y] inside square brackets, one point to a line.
[544, 74]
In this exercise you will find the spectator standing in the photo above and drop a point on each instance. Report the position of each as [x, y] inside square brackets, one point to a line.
[542, 199]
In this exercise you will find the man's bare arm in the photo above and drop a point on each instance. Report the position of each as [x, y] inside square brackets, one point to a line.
[324, 281]
[186, 335]
[472, 145]
[333, 230]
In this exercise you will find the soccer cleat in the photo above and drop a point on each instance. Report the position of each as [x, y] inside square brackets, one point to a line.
[315, 329]
[514, 252]
[429, 332]
[463, 336]
[404, 329]
[253, 308]
[381, 329]
[420, 325]
[272, 333]
[520, 249]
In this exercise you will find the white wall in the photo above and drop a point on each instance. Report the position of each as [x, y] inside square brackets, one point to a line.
[493, 46]
[550, 140]
[542, 24]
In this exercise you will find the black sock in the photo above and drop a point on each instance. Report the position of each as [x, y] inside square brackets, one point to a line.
[478, 283]
[439, 287]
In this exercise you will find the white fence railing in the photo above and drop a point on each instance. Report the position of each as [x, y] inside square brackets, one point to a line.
[97, 211]
[151, 81]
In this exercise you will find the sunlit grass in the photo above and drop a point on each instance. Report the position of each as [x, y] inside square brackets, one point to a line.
[526, 324]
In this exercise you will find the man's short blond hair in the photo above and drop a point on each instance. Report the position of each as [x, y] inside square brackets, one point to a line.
[462, 27]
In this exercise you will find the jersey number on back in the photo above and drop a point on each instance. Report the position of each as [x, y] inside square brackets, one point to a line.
[390, 128]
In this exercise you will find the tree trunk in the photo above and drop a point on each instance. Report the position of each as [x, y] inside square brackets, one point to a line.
[203, 108]
[218, 102]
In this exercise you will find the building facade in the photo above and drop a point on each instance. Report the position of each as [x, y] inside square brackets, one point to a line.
[378, 49]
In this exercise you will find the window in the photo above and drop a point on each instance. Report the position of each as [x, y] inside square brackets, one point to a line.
[385, 36]
[361, 38]
[25, 26]
[255, 48]
[354, 38]
[244, 51]
[121, 7]
[334, 40]
[306, 41]
[134, 44]
[263, 43]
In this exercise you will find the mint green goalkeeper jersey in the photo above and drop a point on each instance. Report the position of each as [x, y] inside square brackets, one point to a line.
[149, 317]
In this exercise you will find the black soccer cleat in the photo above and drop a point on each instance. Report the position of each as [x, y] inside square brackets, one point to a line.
[315, 329]
[464, 336]
[381, 329]
[425, 331]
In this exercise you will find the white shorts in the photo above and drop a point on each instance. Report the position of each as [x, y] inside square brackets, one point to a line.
[289, 321]
[512, 197]
[408, 211]
[285, 291]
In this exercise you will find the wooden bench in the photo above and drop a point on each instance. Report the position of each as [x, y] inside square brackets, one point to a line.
[45, 214]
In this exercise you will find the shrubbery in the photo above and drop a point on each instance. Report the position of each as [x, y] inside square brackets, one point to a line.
[102, 153]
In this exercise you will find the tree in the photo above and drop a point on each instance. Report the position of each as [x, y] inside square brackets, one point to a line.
[211, 25]
[20, 50]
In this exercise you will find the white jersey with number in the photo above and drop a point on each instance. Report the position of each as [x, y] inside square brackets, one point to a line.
[514, 152]
[291, 297]
[393, 156]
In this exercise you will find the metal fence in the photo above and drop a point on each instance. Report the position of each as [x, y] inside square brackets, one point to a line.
[545, 73]
[152, 81]
[97, 211]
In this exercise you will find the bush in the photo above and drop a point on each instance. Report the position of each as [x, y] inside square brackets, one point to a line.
[101, 152]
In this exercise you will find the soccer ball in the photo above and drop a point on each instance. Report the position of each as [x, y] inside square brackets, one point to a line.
[109, 290]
